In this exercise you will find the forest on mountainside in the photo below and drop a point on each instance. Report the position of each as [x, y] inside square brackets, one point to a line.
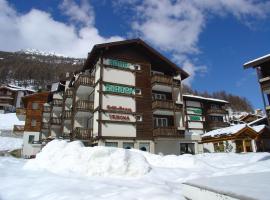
[237, 103]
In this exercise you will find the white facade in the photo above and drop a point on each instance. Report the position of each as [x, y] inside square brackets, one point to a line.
[30, 148]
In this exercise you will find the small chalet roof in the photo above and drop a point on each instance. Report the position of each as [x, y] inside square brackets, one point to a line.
[232, 130]
[97, 49]
[260, 120]
[256, 62]
[36, 96]
[16, 88]
[205, 98]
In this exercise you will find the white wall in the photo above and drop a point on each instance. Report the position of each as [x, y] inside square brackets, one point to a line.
[30, 149]
[114, 100]
[195, 125]
[118, 130]
[118, 76]
[95, 124]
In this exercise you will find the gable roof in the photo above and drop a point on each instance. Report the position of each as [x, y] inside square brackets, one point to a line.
[97, 50]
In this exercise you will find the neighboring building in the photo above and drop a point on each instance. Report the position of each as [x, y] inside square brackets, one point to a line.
[11, 97]
[33, 105]
[238, 138]
[127, 95]
[262, 65]
[249, 118]
[205, 114]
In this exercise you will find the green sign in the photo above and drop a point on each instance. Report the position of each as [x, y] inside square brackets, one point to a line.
[119, 89]
[117, 63]
[195, 118]
[195, 110]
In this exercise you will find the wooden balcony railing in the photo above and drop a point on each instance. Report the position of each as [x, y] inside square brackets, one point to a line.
[85, 80]
[216, 111]
[56, 120]
[163, 79]
[84, 105]
[67, 114]
[165, 131]
[82, 133]
[162, 104]
[45, 125]
[57, 102]
[68, 93]
[265, 83]
[18, 128]
[217, 124]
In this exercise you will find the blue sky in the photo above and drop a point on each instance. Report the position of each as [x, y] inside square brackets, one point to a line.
[210, 39]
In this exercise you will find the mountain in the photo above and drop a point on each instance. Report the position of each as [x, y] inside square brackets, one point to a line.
[35, 68]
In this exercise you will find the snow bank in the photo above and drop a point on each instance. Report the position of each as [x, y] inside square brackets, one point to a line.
[73, 158]
[7, 121]
[9, 143]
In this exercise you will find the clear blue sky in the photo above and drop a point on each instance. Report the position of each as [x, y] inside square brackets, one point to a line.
[209, 39]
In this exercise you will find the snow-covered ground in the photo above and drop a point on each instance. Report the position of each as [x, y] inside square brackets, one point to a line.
[61, 177]
[10, 143]
[8, 120]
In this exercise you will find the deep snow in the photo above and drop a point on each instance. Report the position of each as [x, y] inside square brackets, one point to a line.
[9, 143]
[8, 120]
[161, 182]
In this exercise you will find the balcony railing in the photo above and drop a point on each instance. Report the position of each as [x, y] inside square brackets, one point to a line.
[45, 125]
[68, 93]
[84, 80]
[67, 114]
[265, 83]
[217, 124]
[216, 111]
[84, 105]
[163, 79]
[82, 133]
[166, 132]
[162, 104]
[56, 120]
[57, 102]
[18, 128]
[21, 113]
[46, 109]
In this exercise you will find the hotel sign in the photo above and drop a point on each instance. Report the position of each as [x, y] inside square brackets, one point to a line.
[119, 89]
[195, 118]
[119, 108]
[197, 111]
[117, 63]
[119, 117]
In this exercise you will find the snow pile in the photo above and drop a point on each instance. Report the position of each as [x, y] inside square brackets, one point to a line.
[73, 158]
[259, 128]
[9, 143]
[7, 121]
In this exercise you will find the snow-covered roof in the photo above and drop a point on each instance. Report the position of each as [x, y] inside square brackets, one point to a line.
[17, 88]
[231, 130]
[259, 128]
[204, 98]
[255, 121]
[257, 61]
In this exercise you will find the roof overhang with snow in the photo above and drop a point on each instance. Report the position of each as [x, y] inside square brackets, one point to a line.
[257, 62]
[200, 98]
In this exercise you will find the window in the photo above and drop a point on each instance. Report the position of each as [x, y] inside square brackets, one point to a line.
[159, 96]
[137, 67]
[33, 122]
[219, 147]
[31, 139]
[34, 106]
[216, 118]
[138, 118]
[111, 144]
[128, 145]
[144, 146]
[160, 122]
[187, 148]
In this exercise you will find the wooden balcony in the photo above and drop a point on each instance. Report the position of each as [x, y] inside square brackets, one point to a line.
[21, 113]
[216, 111]
[18, 128]
[68, 93]
[85, 80]
[166, 132]
[216, 124]
[84, 105]
[57, 102]
[265, 83]
[162, 104]
[162, 79]
[45, 125]
[67, 114]
[82, 133]
[56, 121]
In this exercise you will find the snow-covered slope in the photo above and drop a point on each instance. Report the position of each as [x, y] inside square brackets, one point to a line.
[9, 143]
[8, 120]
